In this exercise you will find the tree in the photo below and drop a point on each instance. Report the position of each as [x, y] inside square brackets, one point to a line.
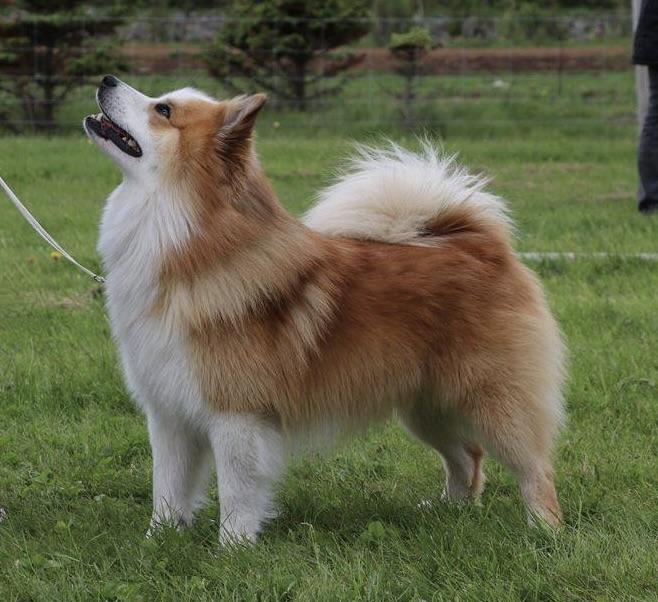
[275, 44]
[409, 49]
[393, 16]
[50, 47]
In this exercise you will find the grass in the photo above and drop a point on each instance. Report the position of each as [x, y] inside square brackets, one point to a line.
[497, 102]
[75, 461]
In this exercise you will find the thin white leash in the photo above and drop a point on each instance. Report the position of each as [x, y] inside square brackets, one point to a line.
[40, 230]
[571, 256]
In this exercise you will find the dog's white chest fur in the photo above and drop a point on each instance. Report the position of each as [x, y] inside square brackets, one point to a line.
[136, 231]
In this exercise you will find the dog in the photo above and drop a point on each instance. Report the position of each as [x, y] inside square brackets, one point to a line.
[243, 330]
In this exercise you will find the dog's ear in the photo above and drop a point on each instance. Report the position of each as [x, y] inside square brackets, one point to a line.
[240, 119]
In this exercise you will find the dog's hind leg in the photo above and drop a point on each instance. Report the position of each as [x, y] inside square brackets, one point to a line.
[533, 468]
[249, 456]
[462, 457]
[520, 434]
[181, 465]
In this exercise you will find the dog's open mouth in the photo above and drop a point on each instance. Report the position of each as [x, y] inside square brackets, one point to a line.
[108, 130]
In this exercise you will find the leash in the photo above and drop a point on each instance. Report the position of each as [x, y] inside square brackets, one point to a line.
[40, 230]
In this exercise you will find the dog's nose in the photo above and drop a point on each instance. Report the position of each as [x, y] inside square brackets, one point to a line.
[109, 81]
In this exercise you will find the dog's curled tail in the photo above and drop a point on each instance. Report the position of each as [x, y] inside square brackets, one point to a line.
[393, 195]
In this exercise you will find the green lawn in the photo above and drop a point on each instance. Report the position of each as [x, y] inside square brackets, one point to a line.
[74, 454]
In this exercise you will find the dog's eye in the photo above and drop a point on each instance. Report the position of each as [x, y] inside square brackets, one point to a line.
[163, 109]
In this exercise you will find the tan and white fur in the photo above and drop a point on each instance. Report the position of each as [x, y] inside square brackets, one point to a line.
[243, 330]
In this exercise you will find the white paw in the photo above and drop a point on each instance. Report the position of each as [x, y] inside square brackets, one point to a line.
[229, 538]
[241, 529]
[450, 496]
[159, 523]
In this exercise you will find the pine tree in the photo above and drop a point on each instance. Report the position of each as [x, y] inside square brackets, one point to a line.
[409, 49]
[273, 44]
[50, 47]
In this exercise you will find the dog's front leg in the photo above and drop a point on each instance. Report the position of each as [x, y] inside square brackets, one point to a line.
[249, 456]
[180, 470]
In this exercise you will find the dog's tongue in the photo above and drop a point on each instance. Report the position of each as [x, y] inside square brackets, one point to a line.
[106, 124]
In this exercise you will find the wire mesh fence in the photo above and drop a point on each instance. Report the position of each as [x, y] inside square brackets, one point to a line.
[514, 70]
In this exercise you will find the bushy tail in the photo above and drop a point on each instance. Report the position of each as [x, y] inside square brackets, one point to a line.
[396, 196]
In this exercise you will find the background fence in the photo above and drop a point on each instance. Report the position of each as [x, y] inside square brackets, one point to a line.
[500, 71]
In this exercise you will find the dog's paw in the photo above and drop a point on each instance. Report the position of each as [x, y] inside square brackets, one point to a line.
[158, 525]
[233, 539]
[547, 521]
[455, 496]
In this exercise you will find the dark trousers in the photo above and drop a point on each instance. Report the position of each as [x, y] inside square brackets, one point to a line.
[647, 161]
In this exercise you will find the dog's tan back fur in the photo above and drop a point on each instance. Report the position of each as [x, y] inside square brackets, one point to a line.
[299, 324]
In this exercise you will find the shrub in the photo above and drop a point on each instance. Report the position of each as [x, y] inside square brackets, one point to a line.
[409, 49]
[48, 48]
[274, 43]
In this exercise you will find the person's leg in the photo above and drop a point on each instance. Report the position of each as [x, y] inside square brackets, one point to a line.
[648, 150]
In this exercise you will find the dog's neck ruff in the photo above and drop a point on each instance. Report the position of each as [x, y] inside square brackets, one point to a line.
[41, 231]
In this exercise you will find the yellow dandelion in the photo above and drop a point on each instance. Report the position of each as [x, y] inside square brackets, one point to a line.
[55, 255]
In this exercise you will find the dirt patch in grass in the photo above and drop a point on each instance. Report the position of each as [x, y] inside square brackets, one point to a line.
[163, 58]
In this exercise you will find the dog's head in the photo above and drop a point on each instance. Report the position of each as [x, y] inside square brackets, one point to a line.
[172, 134]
